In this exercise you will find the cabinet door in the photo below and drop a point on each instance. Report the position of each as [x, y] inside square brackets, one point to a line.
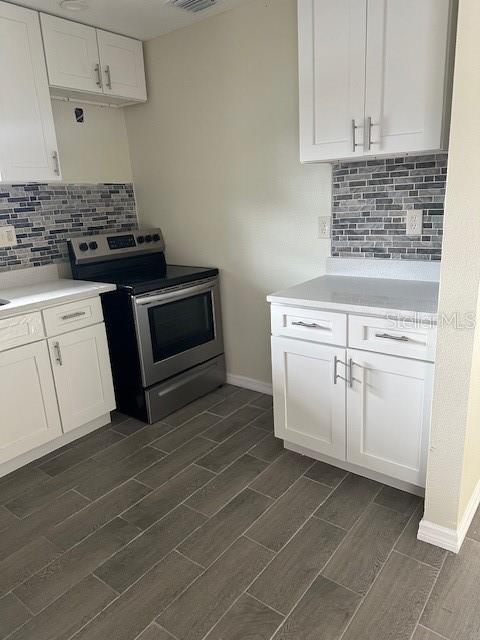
[388, 415]
[28, 145]
[332, 38]
[83, 378]
[122, 65]
[71, 52]
[309, 406]
[405, 74]
[27, 400]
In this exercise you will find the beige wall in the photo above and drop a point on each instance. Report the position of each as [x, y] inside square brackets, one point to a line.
[215, 163]
[454, 460]
[96, 151]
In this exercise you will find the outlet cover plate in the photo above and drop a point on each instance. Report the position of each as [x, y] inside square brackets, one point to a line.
[414, 223]
[8, 237]
[324, 226]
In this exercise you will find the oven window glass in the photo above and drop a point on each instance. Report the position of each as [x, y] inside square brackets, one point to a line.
[181, 325]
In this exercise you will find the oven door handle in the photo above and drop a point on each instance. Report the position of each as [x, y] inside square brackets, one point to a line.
[187, 292]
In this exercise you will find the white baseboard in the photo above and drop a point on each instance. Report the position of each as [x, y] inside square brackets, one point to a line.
[450, 539]
[250, 383]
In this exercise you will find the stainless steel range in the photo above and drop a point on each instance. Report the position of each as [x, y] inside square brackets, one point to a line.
[164, 323]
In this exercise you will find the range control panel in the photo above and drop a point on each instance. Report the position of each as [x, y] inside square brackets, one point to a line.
[112, 245]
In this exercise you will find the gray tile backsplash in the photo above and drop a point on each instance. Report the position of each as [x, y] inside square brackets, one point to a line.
[370, 201]
[45, 215]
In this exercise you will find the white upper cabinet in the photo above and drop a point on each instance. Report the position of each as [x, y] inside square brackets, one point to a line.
[84, 59]
[375, 77]
[28, 144]
[122, 65]
[72, 54]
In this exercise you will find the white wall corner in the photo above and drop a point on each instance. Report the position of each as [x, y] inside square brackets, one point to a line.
[250, 383]
[450, 539]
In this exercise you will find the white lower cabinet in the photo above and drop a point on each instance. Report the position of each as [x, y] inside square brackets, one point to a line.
[28, 403]
[388, 415]
[309, 404]
[83, 379]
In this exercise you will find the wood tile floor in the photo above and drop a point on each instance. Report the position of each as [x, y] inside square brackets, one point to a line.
[202, 527]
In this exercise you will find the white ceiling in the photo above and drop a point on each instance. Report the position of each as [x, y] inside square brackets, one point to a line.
[143, 19]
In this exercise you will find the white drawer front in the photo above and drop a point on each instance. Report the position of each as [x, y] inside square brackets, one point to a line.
[406, 338]
[20, 330]
[75, 315]
[309, 324]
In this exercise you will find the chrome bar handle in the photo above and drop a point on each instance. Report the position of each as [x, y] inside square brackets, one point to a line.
[71, 316]
[58, 353]
[99, 76]
[56, 164]
[350, 372]
[109, 77]
[355, 144]
[335, 374]
[388, 336]
[309, 325]
[368, 134]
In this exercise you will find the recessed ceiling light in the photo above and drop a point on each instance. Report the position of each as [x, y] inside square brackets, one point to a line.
[74, 5]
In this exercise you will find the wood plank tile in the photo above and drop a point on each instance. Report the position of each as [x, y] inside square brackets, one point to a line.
[18, 535]
[282, 474]
[83, 449]
[452, 609]
[474, 529]
[96, 514]
[268, 449]
[154, 632]
[422, 551]
[186, 432]
[200, 607]
[295, 567]
[248, 618]
[207, 543]
[326, 474]
[233, 423]
[131, 562]
[349, 501]
[25, 562]
[264, 421]
[231, 449]
[167, 496]
[131, 444]
[398, 500]
[128, 426]
[222, 488]
[422, 633]
[136, 608]
[362, 553]
[69, 613]
[175, 462]
[395, 601]
[20, 481]
[287, 515]
[263, 401]
[104, 478]
[6, 519]
[322, 613]
[233, 402]
[12, 615]
[74, 565]
[190, 410]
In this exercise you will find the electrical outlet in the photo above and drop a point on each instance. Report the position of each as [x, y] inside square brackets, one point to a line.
[324, 227]
[8, 237]
[414, 222]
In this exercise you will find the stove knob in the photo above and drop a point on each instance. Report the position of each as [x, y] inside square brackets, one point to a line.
[156, 237]
[140, 239]
[83, 246]
[93, 245]
[148, 238]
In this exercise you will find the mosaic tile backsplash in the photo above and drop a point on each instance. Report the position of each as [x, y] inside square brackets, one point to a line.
[370, 201]
[45, 215]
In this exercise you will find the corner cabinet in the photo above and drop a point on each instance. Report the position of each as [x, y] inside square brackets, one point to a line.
[28, 144]
[375, 76]
[365, 409]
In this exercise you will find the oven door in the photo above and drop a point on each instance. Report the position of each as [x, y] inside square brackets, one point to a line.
[178, 329]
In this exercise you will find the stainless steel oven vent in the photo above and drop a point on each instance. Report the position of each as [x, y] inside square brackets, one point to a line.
[194, 6]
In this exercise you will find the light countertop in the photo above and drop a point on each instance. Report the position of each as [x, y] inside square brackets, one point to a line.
[372, 296]
[48, 294]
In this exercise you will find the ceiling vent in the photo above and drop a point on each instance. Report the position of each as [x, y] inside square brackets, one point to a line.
[194, 6]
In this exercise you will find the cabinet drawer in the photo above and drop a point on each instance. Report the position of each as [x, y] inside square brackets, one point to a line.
[406, 338]
[20, 330]
[309, 324]
[75, 315]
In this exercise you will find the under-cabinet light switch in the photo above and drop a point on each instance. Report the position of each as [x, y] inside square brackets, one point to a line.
[8, 237]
